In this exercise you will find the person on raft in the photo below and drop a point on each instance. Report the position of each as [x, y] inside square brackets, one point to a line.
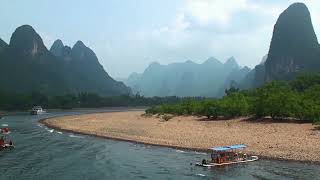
[1, 141]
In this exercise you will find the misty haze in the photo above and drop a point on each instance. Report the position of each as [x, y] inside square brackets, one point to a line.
[180, 89]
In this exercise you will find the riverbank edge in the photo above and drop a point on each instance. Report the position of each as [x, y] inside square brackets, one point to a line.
[47, 124]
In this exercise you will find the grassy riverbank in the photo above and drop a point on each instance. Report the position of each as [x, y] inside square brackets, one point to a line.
[280, 140]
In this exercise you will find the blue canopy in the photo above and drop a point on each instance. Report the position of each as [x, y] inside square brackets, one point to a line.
[221, 148]
[227, 148]
[238, 146]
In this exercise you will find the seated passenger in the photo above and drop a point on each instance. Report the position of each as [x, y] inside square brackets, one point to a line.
[1, 141]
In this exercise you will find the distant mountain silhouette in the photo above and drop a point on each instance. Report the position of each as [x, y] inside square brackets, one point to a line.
[294, 47]
[3, 45]
[27, 66]
[57, 48]
[256, 77]
[133, 78]
[231, 64]
[26, 43]
[187, 79]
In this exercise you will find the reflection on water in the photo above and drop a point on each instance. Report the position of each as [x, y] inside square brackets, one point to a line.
[44, 153]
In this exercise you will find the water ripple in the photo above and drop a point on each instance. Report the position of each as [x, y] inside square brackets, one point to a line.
[44, 153]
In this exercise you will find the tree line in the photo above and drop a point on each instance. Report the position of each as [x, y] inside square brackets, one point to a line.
[25, 101]
[298, 99]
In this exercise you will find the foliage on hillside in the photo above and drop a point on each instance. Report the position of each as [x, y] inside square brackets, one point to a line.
[298, 99]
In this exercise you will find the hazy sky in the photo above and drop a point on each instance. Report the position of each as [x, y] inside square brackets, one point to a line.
[127, 35]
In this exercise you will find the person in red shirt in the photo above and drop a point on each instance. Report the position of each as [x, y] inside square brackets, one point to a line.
[1, 141]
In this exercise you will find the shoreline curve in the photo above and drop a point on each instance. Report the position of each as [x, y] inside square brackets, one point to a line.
[45, 122]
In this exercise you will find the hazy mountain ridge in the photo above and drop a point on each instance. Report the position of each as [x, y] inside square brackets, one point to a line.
[188, 78]
[57, 48]
[27, 65]
[294, 49]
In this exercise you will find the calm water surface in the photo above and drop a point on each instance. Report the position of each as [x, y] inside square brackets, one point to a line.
[43, 153]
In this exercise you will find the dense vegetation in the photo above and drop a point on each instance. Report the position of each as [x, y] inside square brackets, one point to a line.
[14, 101]
[298, 99]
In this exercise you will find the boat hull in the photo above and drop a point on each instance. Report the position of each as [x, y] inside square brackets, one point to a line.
[37, 112]
[250, 159]
[6, 147]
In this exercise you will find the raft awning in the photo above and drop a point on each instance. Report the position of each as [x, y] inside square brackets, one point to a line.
[238, 146]
[227, 148]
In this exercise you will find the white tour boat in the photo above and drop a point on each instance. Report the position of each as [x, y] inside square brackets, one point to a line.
[37, 110]
[226, 155]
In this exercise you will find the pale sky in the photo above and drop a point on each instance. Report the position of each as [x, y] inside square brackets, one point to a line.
[127, 35]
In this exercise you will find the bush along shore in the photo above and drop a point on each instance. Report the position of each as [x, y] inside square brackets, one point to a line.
[295, 100]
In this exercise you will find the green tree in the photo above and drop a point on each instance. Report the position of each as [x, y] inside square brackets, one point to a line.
[231, 90]
[305, 81]
[275, 99]
[236, 104]
[209, 108]
[310, 104]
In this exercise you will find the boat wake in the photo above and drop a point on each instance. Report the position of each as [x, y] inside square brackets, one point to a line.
[50, 130]
[59, 132]
[202, 175]
[4, 125]
[74, 136]
[202, 153]
[179, 151]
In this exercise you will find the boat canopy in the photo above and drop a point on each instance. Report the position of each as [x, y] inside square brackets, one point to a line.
[228, 148]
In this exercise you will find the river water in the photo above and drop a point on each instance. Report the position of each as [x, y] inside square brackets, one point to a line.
[43, 153]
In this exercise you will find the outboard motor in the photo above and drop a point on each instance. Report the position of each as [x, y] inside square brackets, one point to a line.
[204, 161]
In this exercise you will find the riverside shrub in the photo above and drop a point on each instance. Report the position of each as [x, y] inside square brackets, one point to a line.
[299, 99]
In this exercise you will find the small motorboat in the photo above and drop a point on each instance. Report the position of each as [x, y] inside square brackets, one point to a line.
[227, 155]
[6, 147]
[37, 110]
[2, 114]
[6, 143]
[4, 130]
